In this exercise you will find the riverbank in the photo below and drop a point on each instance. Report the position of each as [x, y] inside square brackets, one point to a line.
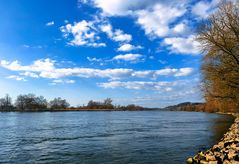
[226, 151]
[81, 110]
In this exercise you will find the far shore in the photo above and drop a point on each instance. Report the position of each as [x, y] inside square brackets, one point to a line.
[84, 110]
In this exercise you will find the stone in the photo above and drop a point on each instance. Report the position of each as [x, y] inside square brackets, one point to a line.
[210, 157]
[234, 162]
[212, 162]
[226, 162]
[233, 146]
[231, 154]
[225, 152]
[190, 160]
[203, 162]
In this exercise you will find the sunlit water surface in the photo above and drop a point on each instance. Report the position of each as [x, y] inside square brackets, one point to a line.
[107, 137]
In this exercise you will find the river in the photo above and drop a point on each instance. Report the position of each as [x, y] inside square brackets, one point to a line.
[108, 137]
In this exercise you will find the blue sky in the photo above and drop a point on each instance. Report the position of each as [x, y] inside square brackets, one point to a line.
[138, 51]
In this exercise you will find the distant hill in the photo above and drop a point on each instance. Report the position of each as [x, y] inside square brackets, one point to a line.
[187, 106]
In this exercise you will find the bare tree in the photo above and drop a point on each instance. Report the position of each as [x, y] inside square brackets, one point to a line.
[219, 37]
[30, 102]
[6, 103]
[58, 103]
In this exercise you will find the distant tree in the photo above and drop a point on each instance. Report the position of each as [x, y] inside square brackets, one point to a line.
[20, 102]
[219, 37]
[30, 102]
[58, 103]
[91, 104]
[6, 103]
[108, 103]
[133, 107]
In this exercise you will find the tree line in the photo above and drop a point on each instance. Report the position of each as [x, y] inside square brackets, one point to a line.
[31, 102]
[219, 37]
[107, 105]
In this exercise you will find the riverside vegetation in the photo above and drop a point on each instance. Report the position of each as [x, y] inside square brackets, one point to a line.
[219, 37]
[33, 103]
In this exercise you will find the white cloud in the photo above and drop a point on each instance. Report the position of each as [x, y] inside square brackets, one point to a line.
[18, 78]
[26, 46]
[50, 23]
[35, 47]
[183, 45]
[37, 66]
[174, 72]
[107, 28]
[70, 81]
[29, 74]
[123, 7]
[156, 21]
[128, 47]
[142, 85]
[184, 72]
[203, 8]
[83, 33]
[179, 28]
[60, 81]
[118, 7]
[93, 59]
[117, 35]
[128, 57]
[46, 69]
[86, 33]
[189, 93]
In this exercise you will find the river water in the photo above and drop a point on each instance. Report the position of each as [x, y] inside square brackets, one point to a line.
[107, 137]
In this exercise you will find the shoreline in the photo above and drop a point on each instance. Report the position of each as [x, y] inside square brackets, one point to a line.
[79, 110]
[226, 151]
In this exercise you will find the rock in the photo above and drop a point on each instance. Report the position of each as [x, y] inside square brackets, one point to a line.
[225, 152]
[190, 160]
[231, 154]
[212, 162]
[210, 157]
[203, 162]
[226, 162]
[233, 146]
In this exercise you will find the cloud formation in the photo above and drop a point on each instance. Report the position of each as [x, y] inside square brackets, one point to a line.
[139, 85]
[45, 68]
[117, 35]
[129, 57]
[50, 23]
[162, 86]
[182, 45]
[155, 22]
[15, 77]
[128, 47]
[83, 33]
[166, 20]
[60, 81]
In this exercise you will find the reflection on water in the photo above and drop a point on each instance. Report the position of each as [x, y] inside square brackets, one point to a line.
[107, 137]
[220, 125]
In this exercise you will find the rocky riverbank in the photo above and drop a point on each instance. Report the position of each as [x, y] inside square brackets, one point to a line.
[225, 152]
